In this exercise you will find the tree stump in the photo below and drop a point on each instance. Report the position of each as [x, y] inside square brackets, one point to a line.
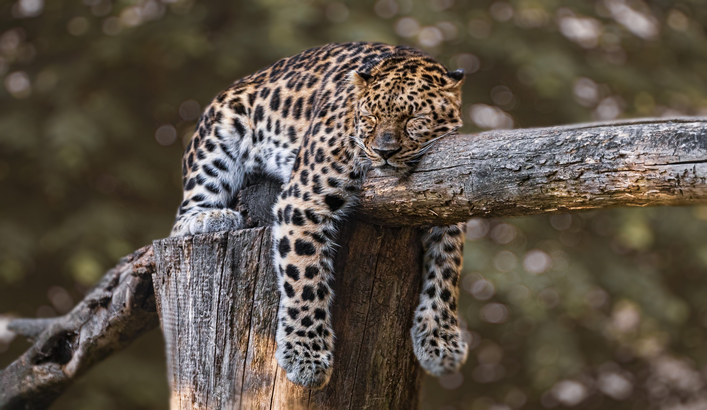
[498, 173]
[218, 300]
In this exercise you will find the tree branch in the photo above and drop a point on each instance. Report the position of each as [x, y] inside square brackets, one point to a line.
[114, 313]
[498, 173]
[645, 162]
[30, 328]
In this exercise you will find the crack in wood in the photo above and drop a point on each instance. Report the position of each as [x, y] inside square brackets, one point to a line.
[484, 180]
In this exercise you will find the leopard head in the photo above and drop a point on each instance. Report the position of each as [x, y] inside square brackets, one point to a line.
[403, 107]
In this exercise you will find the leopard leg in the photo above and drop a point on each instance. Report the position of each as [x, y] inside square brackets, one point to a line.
[215, 164]
[437, 339]
[304, 246]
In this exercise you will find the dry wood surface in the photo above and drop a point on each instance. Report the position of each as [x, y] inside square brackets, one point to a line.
[218, 299]
[115, 312]
[498, 173]
[558, 169]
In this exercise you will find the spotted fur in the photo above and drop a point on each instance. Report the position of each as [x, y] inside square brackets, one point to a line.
[319, 121]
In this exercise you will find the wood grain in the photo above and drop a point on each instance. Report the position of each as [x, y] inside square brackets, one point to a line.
[118, 309]
[646, 162]
[218, 299]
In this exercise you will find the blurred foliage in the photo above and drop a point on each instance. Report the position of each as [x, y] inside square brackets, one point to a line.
[594, 310]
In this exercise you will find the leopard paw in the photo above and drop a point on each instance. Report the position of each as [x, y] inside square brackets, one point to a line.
[214, 220]
[440, 351]
[305, 364]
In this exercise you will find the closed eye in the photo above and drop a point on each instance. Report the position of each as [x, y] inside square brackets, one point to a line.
[368, 119]
[415, 122]
[366, 115]
[418, 117]
[421, 116]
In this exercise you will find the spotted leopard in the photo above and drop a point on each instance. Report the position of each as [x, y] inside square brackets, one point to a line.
[319, 121]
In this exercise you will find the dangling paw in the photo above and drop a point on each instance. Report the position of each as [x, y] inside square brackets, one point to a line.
[440, 351]
[308, 362]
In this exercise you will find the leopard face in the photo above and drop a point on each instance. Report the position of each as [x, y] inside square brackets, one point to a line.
[403, 108]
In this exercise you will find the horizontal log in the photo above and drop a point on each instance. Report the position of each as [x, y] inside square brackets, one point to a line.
[647, 162]
[498, 173]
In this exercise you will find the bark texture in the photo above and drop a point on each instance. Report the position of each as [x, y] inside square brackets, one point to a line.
[115, 312]
[218, 300]
[498, 173]
[531, 171]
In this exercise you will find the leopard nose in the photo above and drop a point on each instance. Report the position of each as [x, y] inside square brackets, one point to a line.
[386, 153]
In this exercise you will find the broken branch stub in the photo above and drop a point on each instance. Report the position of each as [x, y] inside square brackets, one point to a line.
[645, 162]
[115, 312]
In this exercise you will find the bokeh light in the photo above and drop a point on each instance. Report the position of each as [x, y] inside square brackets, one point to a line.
[601, 309]
[166, 135]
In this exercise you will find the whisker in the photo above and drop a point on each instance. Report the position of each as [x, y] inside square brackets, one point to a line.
[429, 143]
[358, 142]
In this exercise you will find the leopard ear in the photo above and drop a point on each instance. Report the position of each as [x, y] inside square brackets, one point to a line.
[456, 77]
[360, 79]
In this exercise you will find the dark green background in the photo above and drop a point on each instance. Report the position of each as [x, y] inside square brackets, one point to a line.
[617, 320]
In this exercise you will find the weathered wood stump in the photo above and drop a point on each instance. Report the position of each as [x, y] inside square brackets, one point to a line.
[218, 300]
[498, 173]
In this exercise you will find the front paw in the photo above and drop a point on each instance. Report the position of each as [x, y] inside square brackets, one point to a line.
[306, 361]
[440, 351]
[214, 220]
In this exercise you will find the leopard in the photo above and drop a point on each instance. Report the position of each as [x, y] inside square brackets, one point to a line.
[318, 122]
